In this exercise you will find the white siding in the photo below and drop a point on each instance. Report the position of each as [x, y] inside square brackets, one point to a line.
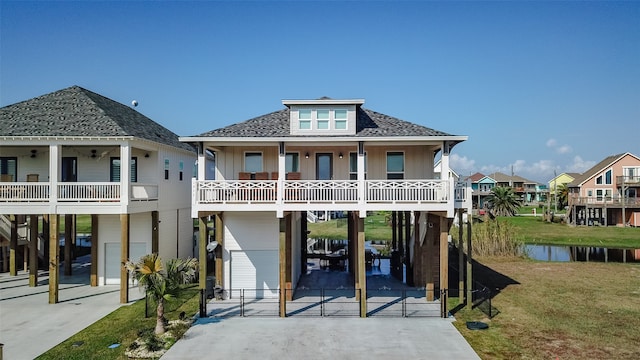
[255, 272]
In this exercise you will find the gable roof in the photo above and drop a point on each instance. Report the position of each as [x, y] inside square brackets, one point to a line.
[504, 178]
[475, 177]
[369, 123]
[604, 163]
[78, 112]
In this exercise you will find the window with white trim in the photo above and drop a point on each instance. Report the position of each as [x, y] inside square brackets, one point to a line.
[395, 165]
[340, 119]
[322, 119]
[253, 162]
[114, 169]
[304, 119]
[292, 162]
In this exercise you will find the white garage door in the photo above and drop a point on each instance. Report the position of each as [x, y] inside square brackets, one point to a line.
[112, 259]
[255, 271]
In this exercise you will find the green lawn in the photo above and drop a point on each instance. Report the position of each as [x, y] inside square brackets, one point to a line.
[533, 230]
[120, 327]
[376, 227]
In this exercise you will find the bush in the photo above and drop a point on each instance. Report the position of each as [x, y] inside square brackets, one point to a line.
[493, 238]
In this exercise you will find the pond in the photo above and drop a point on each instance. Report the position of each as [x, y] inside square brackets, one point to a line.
[581, 253]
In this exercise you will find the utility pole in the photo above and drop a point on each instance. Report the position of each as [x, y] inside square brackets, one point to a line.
[555, 192]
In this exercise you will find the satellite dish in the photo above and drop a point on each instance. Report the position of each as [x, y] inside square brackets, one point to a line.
[134, 103]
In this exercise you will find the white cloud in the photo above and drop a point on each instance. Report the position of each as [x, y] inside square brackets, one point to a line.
[564, 149]
[580, 165]
[551, 143]
[461, 164]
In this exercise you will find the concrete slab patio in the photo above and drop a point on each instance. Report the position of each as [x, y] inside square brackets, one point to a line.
[321, 338]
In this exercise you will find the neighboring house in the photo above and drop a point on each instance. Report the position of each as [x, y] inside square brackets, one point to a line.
[481, 186]
[607, 193]
[562, 179]
[527, 190]
[75, 152]
[322, 155]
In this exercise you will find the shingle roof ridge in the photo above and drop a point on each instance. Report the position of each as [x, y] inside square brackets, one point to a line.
[595, 169]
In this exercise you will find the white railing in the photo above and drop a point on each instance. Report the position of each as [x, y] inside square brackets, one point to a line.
[240, 191]
[142, 192]
[415, 191]
[24, 191]
[106, 191]
[320, 191]
[462, 195]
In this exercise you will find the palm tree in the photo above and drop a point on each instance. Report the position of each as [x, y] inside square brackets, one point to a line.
[562, 194]
[162, 284]
[503, 201]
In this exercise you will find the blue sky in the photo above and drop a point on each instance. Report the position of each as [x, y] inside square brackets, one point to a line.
[537, 86]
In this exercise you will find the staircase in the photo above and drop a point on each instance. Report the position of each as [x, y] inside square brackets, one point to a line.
[5, 231]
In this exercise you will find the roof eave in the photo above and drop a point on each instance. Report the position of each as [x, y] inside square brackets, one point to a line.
[453, 138]
[288, 103]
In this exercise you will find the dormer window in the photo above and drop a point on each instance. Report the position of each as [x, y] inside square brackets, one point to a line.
[340, 119]
[323, 116]
[304, 117]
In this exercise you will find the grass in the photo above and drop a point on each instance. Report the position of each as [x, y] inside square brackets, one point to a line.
[120, 327]
[533, 230]
[557, 310]
[376, 227]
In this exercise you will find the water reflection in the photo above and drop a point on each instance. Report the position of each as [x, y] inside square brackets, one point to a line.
[580, 253]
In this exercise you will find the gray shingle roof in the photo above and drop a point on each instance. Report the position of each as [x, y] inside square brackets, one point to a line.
[75, 111]
[369, 124]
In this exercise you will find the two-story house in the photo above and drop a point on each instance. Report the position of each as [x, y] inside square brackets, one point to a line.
[321, 155]
[608, 193]
[481, 186]
[527, 190]
[74, 152]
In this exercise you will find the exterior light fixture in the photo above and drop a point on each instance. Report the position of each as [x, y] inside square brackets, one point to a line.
[33, 153]
[146, 155]
[306, 156]
[340, 155]
[93, 153]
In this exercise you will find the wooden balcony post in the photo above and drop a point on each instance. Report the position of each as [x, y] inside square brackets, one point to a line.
[155, 231]
[33, 250]
[68, 225]
[362, 274]
[219, 263]
[54, 258]
[202, 262]
[94, 250]
[283, 265]
[13, 246]
[124, 257]
[460, 257]
[445, 224]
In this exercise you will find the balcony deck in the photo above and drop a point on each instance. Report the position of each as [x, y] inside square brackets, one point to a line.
[37, 196]
[327, 194]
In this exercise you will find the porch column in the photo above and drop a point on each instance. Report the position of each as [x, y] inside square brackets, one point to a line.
[125, 173]
[219, 262]
[282, 173]
[445, 223]
[416, 265]
[94, 250]
[202, 162]
[13, 246]
[288, 246]
[124, 256]
[54, 172]
[155, 231]
[68, 225]
[202, 262]
[33, 250]
[362, 278]
[283, 263]
[362, 193]
[45, 236]
[54, 258]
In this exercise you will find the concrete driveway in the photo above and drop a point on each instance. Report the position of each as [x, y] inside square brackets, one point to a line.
[29, 325]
